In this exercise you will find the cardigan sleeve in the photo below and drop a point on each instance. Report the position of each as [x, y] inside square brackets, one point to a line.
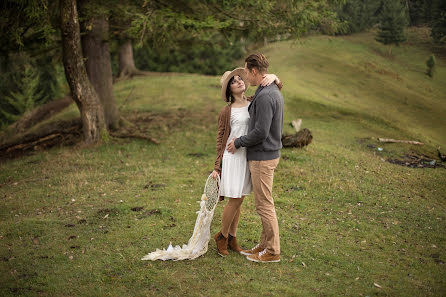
[220, 130]
[220, 134]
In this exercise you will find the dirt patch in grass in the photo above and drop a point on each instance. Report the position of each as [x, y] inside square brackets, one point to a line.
[410, 159]
[148, 213]
[105, 212]
[154, 186]
[415, 160]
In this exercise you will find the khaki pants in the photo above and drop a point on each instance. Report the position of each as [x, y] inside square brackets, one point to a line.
[262, 175]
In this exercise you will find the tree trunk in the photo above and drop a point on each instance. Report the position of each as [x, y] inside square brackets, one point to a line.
[126, 62]
[98, 64]
[83, 93]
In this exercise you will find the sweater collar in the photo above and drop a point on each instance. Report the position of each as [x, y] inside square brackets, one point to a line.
[259, 89]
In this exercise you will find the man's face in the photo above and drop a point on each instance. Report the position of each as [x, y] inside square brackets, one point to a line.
[250, 75]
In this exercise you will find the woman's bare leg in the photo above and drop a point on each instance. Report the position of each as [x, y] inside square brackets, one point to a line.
[234, 224]
[230, 217]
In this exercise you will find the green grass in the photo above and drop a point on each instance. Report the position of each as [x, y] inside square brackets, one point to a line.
[348, 220]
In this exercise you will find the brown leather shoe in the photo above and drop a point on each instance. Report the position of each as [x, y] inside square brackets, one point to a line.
[233, 245]
[222, 244]
[264, 257]
[255, 250]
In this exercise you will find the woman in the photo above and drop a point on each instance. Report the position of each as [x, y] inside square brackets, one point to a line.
[233, 168]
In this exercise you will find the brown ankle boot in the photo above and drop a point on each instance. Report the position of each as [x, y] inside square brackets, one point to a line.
[222, 244]
[233, 245]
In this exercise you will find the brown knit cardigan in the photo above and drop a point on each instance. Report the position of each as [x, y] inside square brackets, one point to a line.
[224, 129]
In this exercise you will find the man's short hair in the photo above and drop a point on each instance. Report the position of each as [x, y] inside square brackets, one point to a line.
[257, 61]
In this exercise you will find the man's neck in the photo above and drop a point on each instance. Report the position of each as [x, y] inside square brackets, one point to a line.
[259, 79]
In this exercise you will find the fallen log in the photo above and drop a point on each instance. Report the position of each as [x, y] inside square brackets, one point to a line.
[134, 135]
[300, 139]
[40, 114]
[389, 140]
[45, 136]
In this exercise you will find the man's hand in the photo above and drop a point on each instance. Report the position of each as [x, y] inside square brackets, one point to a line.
[231, 146]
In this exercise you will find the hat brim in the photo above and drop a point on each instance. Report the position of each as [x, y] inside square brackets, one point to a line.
[237, 71]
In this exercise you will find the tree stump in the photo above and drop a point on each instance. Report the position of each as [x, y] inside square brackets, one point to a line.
[300, 139]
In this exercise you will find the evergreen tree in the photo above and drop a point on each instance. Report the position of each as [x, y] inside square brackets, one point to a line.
[13, 80]
[359, 15]
[197, 57]
[420, 12]
[392, 23]
[19, 102]
[439, 22]
[52, 80]
[430, 63]
[27, 38]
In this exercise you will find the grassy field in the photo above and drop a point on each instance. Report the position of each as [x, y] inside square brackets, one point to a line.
[75, 221]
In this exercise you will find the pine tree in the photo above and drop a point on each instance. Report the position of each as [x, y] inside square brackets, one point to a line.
[19, 102]
[359, 15]
[430, 63]
[439, 22]
[393, 21]
[51, 79]
[420, 12]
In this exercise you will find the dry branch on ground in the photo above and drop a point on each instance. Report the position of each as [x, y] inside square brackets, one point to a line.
[389, 140]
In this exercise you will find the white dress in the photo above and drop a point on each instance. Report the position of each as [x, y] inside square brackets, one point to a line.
[235, 175]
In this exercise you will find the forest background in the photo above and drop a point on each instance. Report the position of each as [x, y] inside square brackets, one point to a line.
[174, 36]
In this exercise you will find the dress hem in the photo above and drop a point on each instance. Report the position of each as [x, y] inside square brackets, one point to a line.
[235, 197]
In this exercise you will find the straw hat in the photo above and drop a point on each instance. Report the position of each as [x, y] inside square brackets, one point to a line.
[227, 76]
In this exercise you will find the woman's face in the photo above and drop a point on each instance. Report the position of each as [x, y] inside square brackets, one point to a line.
[237, 85]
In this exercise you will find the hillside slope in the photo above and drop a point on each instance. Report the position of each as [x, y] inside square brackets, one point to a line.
[75, 221]
[355, 74]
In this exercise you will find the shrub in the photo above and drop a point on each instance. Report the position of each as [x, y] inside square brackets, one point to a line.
[430, 63]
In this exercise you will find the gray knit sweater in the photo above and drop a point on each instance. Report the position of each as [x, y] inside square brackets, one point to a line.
[263, 140]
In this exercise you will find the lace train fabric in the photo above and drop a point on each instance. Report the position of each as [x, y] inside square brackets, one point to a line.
[198, 243]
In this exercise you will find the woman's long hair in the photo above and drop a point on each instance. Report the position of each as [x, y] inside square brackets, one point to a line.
[229, 97]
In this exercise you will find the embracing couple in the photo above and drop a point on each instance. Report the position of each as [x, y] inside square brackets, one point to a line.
[248, 152]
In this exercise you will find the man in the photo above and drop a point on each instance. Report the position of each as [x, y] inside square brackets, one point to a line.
[263, 143]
